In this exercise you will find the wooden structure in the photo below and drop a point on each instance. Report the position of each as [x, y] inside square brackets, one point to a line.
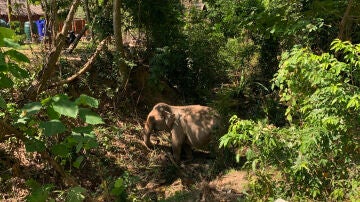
[19, 12]
[77, 25]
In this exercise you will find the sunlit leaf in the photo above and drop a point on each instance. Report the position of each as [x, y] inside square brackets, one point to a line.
[10, 43]
[90, 117]
[87, 101]
[64, 106]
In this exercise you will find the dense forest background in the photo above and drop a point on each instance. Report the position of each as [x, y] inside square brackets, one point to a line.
[284, 76]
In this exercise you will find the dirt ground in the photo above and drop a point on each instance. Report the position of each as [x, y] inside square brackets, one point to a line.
[150, 174]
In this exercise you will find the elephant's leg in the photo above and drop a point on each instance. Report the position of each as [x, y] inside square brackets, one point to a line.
[188, 151]
[177, 140]
[176, 152]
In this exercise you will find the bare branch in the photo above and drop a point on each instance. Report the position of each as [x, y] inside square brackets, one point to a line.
[86, 67]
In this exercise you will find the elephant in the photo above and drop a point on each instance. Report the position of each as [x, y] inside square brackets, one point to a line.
[191, 126]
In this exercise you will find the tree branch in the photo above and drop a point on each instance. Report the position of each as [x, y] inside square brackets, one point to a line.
[344, 22]
[77, 39]
[40, 84]
[85, 68]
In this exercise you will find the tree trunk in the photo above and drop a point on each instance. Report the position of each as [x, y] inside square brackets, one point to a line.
[87, 12]
[9, 9]
[40, 84]
[117, 21]
[345, 23]
[47, 36]
[29, 18]
[77, 39]
[54, 27]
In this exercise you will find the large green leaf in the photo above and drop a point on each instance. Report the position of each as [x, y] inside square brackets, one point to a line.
[87, 101]
[60, 150]
[31, 108]
[64, 106]
[5, 33]
[52, 113]
[5, 81]
[34, 145]
[17, 56]
[90, 117]
[17, 72]
[52, 127]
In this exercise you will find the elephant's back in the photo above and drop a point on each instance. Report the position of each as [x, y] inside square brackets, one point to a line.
[199, 124]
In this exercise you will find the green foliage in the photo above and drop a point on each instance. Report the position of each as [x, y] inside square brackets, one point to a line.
[43, 193]
[16, 26]
[191, 62]
[118, 189]
[59, 110]
[157, 18]
[316, 157]
[56, 124]
[9, 63]
[102, 25]
[75, 194]
[38, 193]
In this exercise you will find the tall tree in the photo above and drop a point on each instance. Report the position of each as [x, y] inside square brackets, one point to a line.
[53, 16]
[88, 19]
[9, 9]
[351, 14]
[29, 18]
[117, 21]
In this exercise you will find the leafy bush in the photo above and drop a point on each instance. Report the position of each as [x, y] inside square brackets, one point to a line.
[317, 156]
[56, 127]
[191, 63]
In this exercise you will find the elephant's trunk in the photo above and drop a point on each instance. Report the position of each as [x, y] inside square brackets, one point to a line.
[147, 133]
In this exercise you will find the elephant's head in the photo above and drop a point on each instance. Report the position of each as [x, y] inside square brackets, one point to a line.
[160, 118]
